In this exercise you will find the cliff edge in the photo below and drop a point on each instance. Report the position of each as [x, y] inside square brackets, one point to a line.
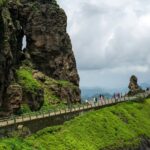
[37, 64]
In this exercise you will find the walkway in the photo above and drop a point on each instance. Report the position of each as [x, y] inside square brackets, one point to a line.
[39, 115]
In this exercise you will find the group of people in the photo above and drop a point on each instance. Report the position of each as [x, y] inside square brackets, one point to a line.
[117, 95]
[101, 98]
[96, 99]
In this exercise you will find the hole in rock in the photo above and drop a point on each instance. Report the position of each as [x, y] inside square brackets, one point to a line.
[24, 42]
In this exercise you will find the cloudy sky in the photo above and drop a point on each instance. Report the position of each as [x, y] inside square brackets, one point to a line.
[111, 40]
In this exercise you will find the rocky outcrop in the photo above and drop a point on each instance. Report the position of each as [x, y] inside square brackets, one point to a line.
[44, 25]
[133, 86]
[64, 91]
[14, 98]
[34, 100]
[8, 53]
[143, 145]
[48, 49]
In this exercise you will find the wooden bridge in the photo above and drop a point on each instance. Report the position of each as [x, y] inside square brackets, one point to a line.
[10, 121]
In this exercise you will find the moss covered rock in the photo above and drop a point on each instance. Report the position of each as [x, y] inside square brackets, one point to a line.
[53, 93]
[33, 93]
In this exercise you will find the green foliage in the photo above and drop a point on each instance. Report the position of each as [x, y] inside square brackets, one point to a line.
[3, 2]
[26, 80]
[30, 84]
[116, 127]
[25, 109]
[65, 83]
[51, 102]
[36, 7]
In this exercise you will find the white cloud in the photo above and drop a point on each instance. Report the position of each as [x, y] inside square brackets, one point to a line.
[111, 37]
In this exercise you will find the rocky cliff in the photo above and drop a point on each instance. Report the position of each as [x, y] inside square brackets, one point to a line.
[45, 70]
[134, 88]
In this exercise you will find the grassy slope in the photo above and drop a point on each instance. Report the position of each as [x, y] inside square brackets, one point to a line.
[109, 128]
[29, 84]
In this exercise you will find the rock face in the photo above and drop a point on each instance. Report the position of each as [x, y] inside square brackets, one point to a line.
[8, 52]
[14, 98]
[133, 86]
[144, 145]
[34, 100]
[64, 90]
[48, 48]
[44, 25]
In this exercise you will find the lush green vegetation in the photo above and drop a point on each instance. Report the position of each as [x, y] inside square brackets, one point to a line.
[114, 127]
[30, 84]
[27, 81]
[2, 2]
[24, 109]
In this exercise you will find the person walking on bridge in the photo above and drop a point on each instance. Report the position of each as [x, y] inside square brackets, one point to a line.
[96, 99]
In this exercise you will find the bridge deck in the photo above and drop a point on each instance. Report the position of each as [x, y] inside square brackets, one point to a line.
[28, 117]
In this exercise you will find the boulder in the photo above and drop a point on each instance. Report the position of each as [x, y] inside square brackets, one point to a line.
[13, 99]
[38, 75]
[134, 88]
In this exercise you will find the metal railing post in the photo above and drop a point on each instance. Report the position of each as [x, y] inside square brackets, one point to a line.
[29, 116]
[22, 118]
[14, 119]
[49, 113]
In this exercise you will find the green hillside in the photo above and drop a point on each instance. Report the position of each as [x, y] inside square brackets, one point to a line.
[122, 125]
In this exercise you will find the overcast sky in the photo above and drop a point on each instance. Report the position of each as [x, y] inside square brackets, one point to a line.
[111, 40]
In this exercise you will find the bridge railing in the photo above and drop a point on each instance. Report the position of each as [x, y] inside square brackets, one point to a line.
[42, 114]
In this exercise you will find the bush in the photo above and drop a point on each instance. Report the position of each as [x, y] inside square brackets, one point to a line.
[26, 80]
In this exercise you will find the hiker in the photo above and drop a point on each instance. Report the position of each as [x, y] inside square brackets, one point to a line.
[86, 101]
[119, 95]
[100, 97]
[96, 99]
[116, 97]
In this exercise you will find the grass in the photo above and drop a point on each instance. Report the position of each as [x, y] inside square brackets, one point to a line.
[30, 84]
[26, 80]
[66, 84]
[120, 126]
[51, 101]
[24, 109]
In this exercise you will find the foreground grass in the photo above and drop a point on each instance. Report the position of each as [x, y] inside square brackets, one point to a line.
[114, 127]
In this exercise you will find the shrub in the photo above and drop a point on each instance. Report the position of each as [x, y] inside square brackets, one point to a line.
[26, 80]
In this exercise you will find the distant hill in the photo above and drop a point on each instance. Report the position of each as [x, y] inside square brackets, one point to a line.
[145, 85]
